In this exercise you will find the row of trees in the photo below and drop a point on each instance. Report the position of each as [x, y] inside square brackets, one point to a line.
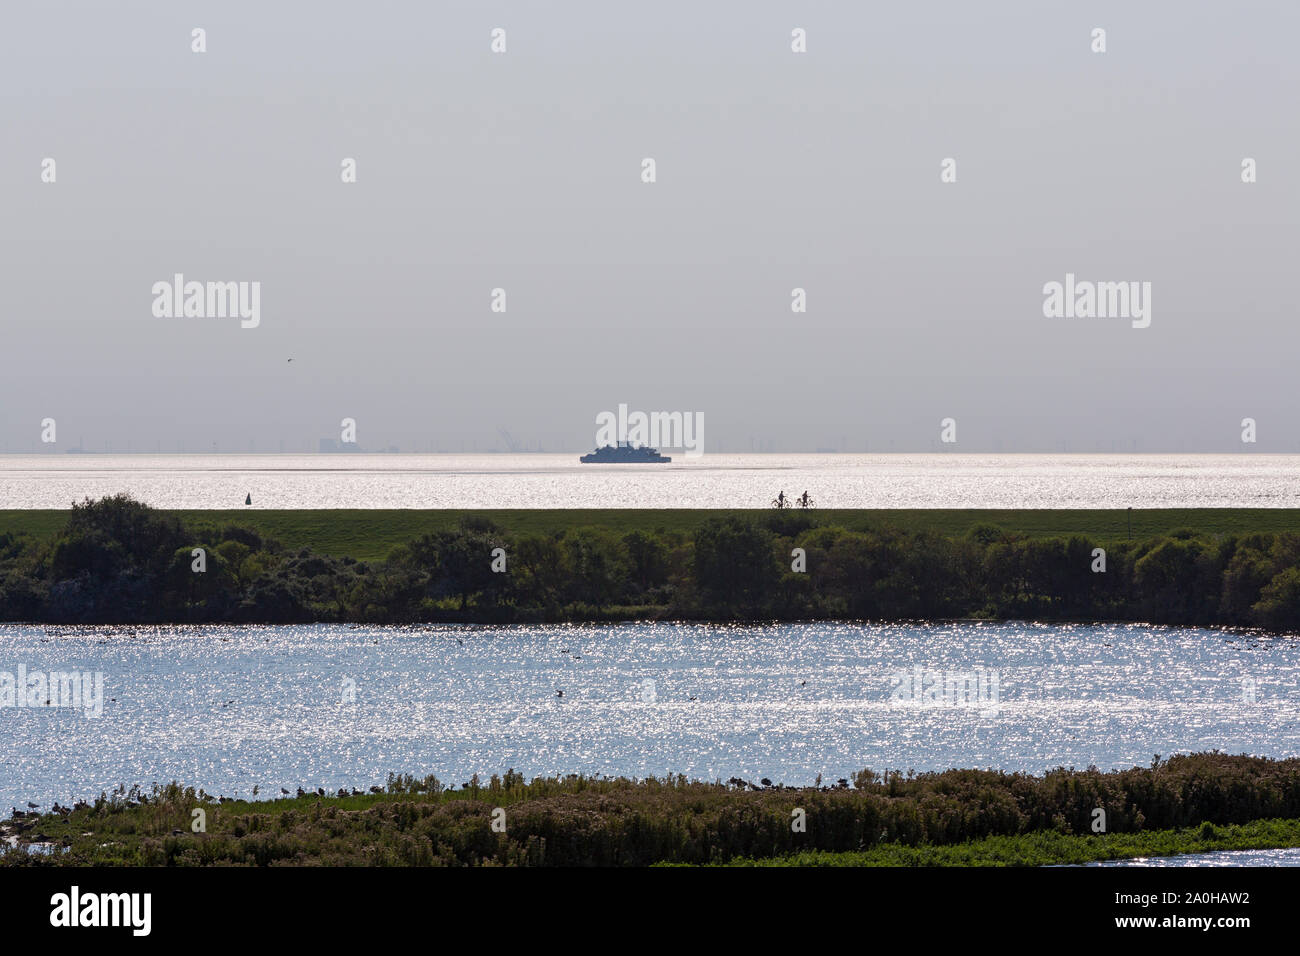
[118, 561]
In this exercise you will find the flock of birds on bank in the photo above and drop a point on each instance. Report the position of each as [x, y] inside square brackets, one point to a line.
[61, 811]
[841, 784]
[33, 811]
[320, 792]
[143, 800]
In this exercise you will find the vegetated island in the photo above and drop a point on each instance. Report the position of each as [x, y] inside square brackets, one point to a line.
[117, 561]
[1186, 804]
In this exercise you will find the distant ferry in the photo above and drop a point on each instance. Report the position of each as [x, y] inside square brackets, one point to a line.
[623, 453]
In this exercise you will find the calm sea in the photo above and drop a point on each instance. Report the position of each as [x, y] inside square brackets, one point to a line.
[230, 708]
[711, 481]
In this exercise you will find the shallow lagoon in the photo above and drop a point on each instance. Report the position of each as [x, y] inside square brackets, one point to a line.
[230, 708]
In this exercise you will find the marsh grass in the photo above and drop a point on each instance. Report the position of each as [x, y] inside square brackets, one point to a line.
[1050, 848]
[959, 817]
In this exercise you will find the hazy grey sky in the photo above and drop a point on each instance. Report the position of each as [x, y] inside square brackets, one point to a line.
[775, 170]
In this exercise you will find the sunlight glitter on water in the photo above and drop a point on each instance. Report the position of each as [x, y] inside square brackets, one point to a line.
[227, 708]
[1287, 857]
[711, 481]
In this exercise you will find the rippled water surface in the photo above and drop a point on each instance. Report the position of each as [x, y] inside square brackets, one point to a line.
[1289, 857]
[228, 708]
[711, 481]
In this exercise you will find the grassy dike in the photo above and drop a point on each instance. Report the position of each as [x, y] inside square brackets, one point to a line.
[371, 535]
[1193, 803]
[118, 561]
